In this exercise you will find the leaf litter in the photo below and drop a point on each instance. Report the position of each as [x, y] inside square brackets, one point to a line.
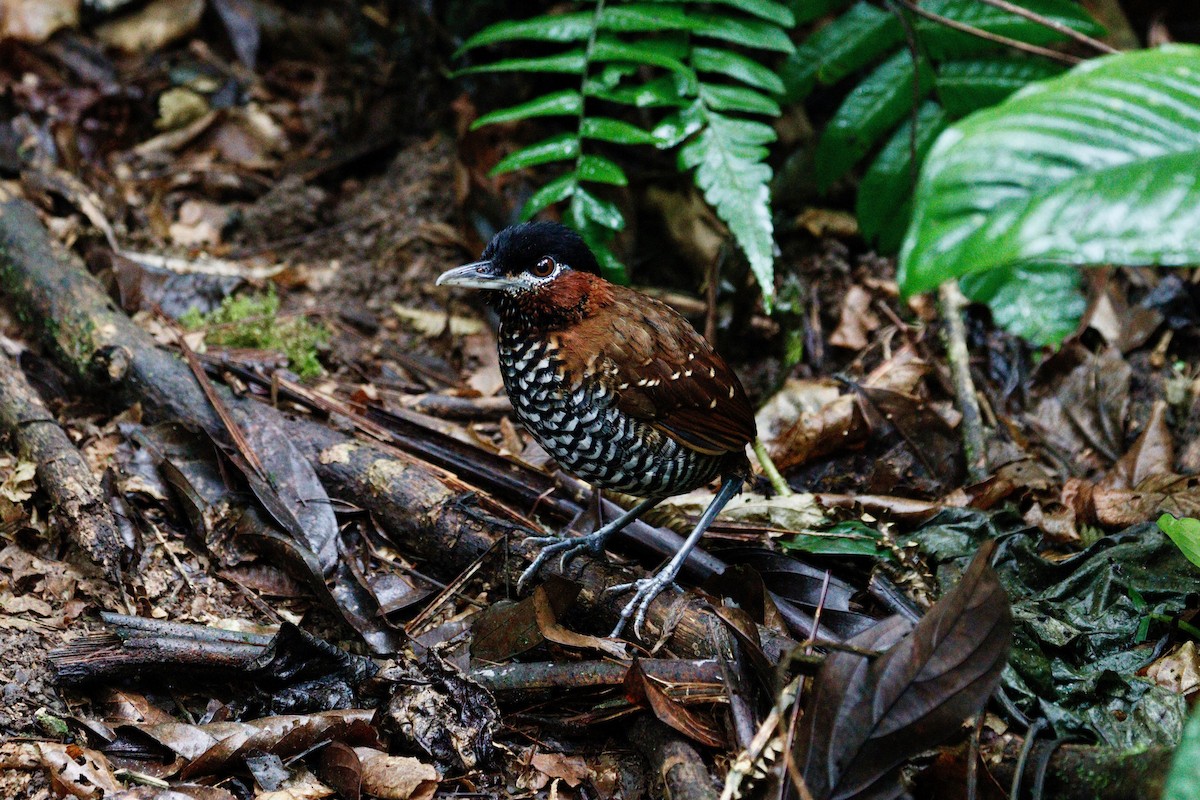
[195, 205]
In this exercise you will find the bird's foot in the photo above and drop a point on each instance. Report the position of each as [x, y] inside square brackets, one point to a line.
[571, 548]
[644, 592]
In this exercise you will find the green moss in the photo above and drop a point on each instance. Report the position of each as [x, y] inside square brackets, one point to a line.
[252, 321]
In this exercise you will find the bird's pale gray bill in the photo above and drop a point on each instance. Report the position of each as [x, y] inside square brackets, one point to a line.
[478, 275]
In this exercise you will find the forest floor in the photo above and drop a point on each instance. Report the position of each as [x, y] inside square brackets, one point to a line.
[336, 172]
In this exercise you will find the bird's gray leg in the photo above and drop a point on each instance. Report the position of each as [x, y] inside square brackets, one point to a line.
[571, 546]
[646, 589]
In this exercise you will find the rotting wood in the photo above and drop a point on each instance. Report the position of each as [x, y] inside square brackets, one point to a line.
[428, 513]
[79, 508]
[683, 773]
[1086, 772]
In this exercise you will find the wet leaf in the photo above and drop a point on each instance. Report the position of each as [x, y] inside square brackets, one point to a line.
[866, 716]
[1077, 622]
[506, 629]
[436, 708]
[642, 690]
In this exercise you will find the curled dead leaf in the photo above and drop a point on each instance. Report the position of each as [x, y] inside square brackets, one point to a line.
[396, 777]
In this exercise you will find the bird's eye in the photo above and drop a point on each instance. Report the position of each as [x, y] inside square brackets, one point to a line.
[544, 268]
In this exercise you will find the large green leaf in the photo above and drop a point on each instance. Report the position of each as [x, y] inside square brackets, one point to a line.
[855, 39]
[1040, 303]
[728, 156]
[874, 107]
[883, 195]
[941, 41]
[1095, 166]
[1183, 781]
[969, 85]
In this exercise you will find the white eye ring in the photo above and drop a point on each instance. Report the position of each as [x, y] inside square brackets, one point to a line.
[544, 268]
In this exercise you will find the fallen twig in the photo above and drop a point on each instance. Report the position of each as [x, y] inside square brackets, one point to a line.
[79, 507]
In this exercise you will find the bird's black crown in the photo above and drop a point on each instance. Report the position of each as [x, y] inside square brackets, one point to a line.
[517, 248]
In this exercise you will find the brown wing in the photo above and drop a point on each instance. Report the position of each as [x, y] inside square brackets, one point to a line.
[665, 373]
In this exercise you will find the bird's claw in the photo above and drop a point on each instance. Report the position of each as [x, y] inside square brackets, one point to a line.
[645, 590]
[570, 547]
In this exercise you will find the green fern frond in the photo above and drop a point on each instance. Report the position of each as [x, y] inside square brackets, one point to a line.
[692, 62]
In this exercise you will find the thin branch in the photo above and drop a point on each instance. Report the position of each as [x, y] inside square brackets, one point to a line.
[974, 448]
[1053, 25]
[971, 30]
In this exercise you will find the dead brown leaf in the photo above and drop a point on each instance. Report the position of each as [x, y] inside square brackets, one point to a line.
[1178, 670]
[396, 777]
[572, 770]
[857, 320]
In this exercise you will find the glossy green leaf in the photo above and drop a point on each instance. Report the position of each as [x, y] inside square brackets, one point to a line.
[604, 213]
[572, 62]
[611, 49]
[728, 156]
[600, 170]
[575, 27]
[848, 538]
[1095, 166]
[664, 91]
[1185, 533]
[643, 18]
[616, 131]
[883, 195]
[872, 109]
[556, 148]
[746, 32]
[1040, 303]
[566, 103]
[737, 98]
[598, 237]
[768, 10]
[862, 35]
[736, 66]
[810, 10]
[675, 128]
[1183, 780]
[966, 86]
[941, 41]
[553, 192]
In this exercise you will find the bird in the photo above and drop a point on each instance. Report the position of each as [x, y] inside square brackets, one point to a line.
[618, 387]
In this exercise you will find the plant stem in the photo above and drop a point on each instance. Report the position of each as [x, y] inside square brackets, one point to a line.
[974, 449]
[770, 470]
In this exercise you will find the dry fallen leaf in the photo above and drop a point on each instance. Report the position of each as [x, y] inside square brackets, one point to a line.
[1178, 670]
[857, 320]
[571, 769]
[77, 771]
[396, 777]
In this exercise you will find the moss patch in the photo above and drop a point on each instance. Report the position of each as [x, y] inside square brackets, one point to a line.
[252, 321]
